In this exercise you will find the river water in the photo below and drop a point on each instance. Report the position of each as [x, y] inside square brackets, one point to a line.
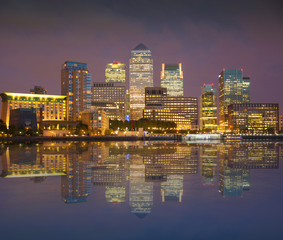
[141, 190]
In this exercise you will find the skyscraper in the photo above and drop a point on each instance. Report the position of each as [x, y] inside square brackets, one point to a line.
[115, 72]
[141, 76]
[208, 108]
[172, 79]
[76, 84]
[232, 89]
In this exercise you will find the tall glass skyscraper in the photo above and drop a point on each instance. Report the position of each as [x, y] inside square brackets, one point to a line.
[172, 79]
[115, 72]
[141, 76]
[233, 88]
[76, 84]
[208, 108]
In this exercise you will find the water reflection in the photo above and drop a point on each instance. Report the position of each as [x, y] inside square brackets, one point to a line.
[129, 171]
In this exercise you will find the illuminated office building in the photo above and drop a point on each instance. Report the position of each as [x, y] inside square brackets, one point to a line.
[48, 107]
[172, 189]
[115, 72]
[111, 97]
[253, 118]
[208, 108]
[76, 85]
[38, 90]
[141, 76]
[246, 89]
[96, 119]
[172, 79]
[233, 88]
[181, 110]
[280, 123]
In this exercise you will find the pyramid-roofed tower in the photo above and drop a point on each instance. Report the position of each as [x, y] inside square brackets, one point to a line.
[140, 47]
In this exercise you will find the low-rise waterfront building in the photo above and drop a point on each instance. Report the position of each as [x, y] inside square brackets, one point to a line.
[253, 118]
[181, 110]
[111, 97]
[96, 119]
[47, 107]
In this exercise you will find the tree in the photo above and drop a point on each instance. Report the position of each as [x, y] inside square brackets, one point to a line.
[81, 129]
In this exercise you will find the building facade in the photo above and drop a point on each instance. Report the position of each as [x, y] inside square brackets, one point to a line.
[181, 110]
[141, 76]
[111, 97]
[115, 72]
[254, 118]
[96, 119]
[172, 79]
[233, 89]
[48, 107]
[76, 85]
[208, 108]
[23, 117]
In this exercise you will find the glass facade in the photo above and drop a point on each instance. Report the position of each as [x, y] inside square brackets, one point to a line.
[76, 84]
[115, 72]
[232, 89]
[208, 108]
[141, 76]
[172, 79]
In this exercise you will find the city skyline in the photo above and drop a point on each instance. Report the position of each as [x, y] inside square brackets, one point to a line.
[33, 48]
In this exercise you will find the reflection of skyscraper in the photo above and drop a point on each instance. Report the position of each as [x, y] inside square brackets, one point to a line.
[141, 192]
[172, 79]
[172, 189]
[232, 182]
[141, 76]
[76, 186]
[208, 160]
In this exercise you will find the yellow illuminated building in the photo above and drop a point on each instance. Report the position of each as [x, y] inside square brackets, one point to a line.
[115, 72]
[254, 118]
[208, 108]
[48, 107]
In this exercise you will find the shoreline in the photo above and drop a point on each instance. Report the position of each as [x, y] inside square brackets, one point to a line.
[176, 138]
[19, 139]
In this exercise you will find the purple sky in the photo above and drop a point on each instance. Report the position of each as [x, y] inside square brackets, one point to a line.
[38, 36]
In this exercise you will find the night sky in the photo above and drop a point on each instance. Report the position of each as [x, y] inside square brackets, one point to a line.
[38, 36]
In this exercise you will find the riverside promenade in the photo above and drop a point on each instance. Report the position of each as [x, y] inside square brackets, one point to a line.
[19, 139]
